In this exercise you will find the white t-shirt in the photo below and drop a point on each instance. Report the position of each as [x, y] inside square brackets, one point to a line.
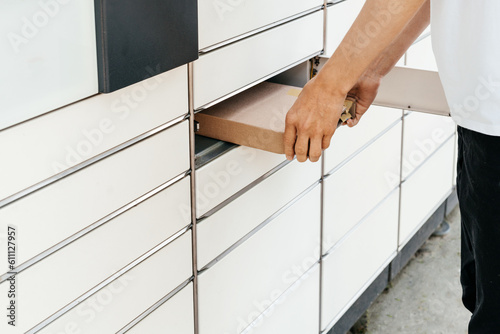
[466, 42]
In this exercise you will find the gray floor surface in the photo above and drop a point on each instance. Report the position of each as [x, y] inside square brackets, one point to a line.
[425, 297]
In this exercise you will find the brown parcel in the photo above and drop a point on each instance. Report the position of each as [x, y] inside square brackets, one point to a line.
[254, 118]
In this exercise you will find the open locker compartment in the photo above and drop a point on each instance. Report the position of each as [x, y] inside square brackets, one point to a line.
[210, 148]
[256, 117]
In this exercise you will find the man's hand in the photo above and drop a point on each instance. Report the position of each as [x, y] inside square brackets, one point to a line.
[364, 92]
[312, 121]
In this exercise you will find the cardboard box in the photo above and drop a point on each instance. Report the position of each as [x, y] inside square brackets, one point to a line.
[254, 118]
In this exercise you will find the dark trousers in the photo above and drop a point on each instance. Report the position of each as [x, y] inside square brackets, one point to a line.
[478, 187]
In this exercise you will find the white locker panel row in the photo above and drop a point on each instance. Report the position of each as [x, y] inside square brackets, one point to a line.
[39, 149]
[222, 20]
[96, 256]
[235, 66]
[240, 217]
[224, 177]
[48, 57]
[423, 191]
[351, 192]
[242, 285]
[175, 316]
[358, 259]
[347, 141]
[423, 134]
[118, 303]
[61, 209]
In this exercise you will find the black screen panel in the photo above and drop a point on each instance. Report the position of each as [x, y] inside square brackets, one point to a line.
[137, 39]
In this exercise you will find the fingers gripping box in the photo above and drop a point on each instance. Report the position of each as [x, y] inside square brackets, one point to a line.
[254, 118]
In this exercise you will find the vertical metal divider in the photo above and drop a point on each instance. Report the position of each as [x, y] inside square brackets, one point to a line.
[192, 155]
[401, 167]
[325, 23]
[455, 157]
[400, 176]
[322, 201]
[322, 190]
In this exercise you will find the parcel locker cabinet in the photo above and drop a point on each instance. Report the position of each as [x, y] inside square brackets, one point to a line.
[138, 39]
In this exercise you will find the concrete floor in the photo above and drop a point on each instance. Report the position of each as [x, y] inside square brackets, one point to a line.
[425, 298]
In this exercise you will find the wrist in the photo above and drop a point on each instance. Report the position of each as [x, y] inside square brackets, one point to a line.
[329, 86]
[370, 80]
[372, 76]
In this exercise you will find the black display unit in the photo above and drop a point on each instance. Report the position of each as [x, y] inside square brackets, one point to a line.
[137, 39]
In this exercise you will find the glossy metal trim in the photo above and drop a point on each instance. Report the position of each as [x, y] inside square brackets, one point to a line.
[12, 198]
[90, 228]
[156, 306]
[361, 149]
[403, 119]
[258, 228]
[227, 96]
[333, 2]
[258, 30]
[194, 234]
[325, 23]
[321, 236]
[107, 281]
[322, 200]
[243, 191]
[455, 158]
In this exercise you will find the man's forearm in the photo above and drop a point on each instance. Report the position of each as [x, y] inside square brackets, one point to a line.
[391, 55]
[312, 120]
[377, 29]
